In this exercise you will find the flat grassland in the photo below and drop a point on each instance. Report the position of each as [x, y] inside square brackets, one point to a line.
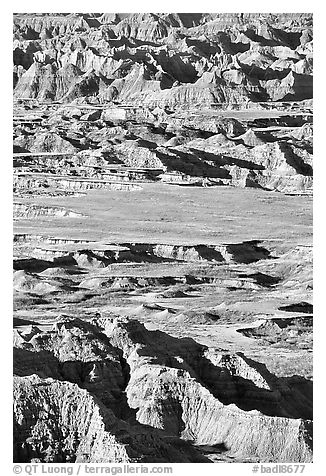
[162, 213]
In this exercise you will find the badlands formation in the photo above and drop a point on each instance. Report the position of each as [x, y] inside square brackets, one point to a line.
[162, 238]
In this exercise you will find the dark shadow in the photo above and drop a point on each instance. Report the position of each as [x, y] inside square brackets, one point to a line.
[32, 264]
[262, 279]
[219, 448]
[290, 38]
[287, 121]
[255, 73]
[253, 36]
[192, 165]
[304, 307]
[17, 149]
[295, 161]
[222, 382]
[288, 402]
[17, 322]
[303, 88]
[222, 159]
[249, 252]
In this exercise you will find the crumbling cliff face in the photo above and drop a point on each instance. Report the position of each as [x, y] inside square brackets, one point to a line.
[58, 422]
[164, 59]
[84, 390]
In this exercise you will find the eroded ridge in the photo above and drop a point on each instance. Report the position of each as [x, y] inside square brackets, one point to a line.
[125, 380]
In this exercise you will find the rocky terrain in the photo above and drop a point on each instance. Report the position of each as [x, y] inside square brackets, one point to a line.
[163, 237]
